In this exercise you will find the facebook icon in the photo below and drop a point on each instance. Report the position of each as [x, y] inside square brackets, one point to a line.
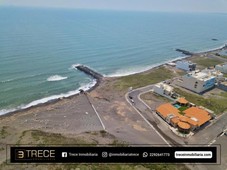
[64, 154]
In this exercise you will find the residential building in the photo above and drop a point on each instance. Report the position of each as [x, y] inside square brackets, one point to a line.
[185, 65]
[182, 101]
[191, 119]
[213, 72]
[197, 81]
[183, 127]
[221, 68]
[163, 89]
[222, 85]
[201, 116]
[168, 111]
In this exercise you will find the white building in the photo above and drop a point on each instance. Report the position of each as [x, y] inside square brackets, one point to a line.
[185, 65]
[213, 72]
[197, 81]
[163, 89]
[221, 68]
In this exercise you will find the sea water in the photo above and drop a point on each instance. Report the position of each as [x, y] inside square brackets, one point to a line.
[39, 47]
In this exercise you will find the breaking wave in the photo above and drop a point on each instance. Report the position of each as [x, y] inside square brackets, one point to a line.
[85, 87]
[56, 78]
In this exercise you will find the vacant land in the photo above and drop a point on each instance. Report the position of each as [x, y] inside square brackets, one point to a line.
[224, 56]
[206, 62]
[151, 96]
[144, 79]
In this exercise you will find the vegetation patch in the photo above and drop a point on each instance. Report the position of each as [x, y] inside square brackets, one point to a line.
[218, 105]
[183, 108]
[207, 62]
[143, 79]
[223, 94]
[151, 96]
[3, 132]
[224, 56]
[55, 138]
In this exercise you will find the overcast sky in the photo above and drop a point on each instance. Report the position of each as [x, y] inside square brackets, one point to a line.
[141, 5]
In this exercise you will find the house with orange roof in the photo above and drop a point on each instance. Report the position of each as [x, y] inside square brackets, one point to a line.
[174, 121]
[201, 116]
[184, 127]
[167, 111]
[182, 101]
[192, 119]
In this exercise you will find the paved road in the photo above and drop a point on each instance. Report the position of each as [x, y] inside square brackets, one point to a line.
[158, 126]
[221, 140]
[210, 132]
[209, 135]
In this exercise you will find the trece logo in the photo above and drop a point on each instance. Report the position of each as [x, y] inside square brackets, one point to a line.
[32, 154]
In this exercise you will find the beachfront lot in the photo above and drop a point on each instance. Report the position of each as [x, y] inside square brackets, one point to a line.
[215, 99]
[67, 116]
[74, 116]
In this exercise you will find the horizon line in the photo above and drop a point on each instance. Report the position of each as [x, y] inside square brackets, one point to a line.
[108, 9]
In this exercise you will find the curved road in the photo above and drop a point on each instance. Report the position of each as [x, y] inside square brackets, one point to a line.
[148, 115]
[212, 134]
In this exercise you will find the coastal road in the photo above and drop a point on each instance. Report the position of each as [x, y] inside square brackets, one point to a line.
[158, 126]
[209, 135]
[205, 136]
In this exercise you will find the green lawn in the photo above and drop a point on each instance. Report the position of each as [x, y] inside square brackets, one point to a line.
[141, 80]
[183, 108]
[218, 105]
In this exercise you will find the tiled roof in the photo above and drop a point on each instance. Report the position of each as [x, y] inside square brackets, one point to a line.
[196, 113]
[182, 100]
[175, 120]
[183, 125]
[166, 109]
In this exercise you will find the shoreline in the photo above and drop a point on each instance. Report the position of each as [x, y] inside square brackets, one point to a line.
[99, 81]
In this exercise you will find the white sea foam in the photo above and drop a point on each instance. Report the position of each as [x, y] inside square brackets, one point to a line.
[56, 78]
[5, 111]
[135, 70]
[85, 87]
[139, 69]
[212, 49]
[9, 80]
[74, 66]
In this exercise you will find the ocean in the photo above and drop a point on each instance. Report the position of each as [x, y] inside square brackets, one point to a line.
[38, 47]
